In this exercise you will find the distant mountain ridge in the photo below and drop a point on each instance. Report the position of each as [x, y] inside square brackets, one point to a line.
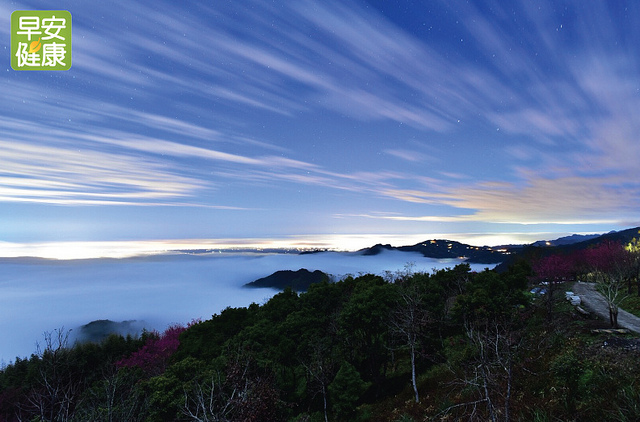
[534, 250]
[622, 236]
[441, 249]
[566, 240]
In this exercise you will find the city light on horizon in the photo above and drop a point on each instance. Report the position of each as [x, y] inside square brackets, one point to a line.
[338, 243]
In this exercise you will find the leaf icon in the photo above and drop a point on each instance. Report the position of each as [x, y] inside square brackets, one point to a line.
[35, 46]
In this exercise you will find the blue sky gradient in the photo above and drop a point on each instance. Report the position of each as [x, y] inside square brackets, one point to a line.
[326, 121]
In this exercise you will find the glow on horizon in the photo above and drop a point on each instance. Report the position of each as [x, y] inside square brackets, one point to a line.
[343, 243]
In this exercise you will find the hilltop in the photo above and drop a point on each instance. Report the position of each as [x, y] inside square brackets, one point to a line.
[298, 281]
[442, 249]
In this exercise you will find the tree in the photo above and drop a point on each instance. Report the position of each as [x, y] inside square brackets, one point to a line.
[315, 329]
[407, 321]
[634, 257]
[364, 326]
[411, 316]
[496, 346]
[154, 356]
[205, 340]
[609, 265]
[269, 340]
[242, 392]
[346, 389]
[453, 280]
[58, 385]
[551, 270]
[209, 399]
[114, 398]
[319, 367]
[491, 313]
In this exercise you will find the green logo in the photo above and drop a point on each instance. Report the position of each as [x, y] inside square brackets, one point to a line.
[41, 40]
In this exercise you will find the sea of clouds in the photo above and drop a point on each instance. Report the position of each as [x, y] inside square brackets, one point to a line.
[38, 296]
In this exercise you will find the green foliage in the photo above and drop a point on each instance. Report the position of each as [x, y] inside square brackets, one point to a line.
[346, 390]
[114, 397]
[206, 339]
[629, 399]
[364, 325]
[570, 372]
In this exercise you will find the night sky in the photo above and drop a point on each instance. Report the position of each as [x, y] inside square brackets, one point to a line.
[323, 123]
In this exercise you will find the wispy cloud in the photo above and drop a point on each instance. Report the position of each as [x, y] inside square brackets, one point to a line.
[174, 105]
[561, 201]
[42, 173]
[405, 154]
[413, 218]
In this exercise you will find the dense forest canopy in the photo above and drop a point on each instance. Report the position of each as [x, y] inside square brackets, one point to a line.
[408, 346]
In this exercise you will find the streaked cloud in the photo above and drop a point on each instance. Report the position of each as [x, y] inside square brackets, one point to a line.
[560, 201]
[406, 155]
[42, 173]
[518, 116]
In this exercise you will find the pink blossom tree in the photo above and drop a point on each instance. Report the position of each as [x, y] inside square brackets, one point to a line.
[551, 270]
[154, 356]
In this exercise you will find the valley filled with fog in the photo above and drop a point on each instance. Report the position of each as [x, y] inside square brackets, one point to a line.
[38, 296]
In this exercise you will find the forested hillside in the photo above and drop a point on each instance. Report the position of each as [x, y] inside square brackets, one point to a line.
[447, 345]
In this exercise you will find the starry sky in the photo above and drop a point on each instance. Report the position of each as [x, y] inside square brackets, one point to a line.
[337, 123]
